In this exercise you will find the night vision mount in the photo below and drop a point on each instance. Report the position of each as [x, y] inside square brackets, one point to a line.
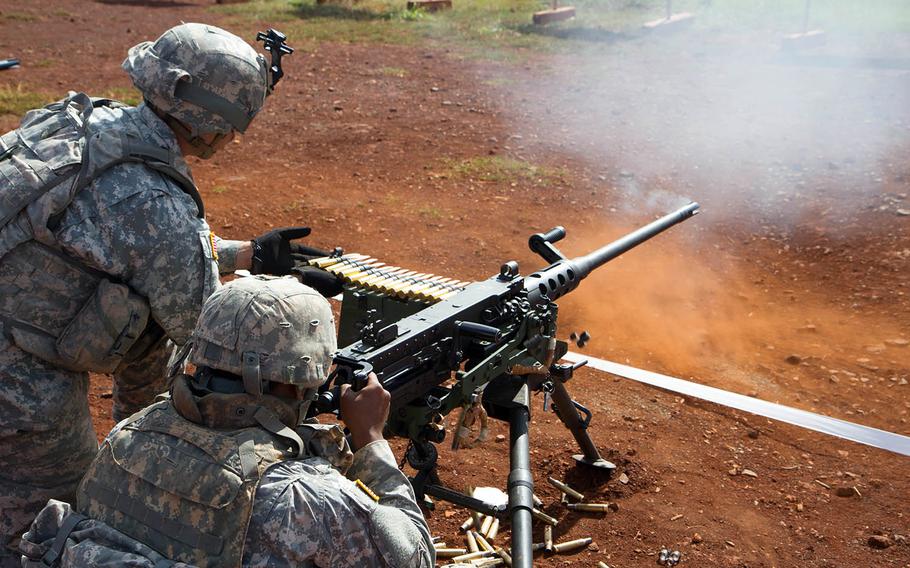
[274, 42]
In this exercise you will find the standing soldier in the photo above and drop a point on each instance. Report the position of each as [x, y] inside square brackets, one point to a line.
[229, 472]
[105, 254]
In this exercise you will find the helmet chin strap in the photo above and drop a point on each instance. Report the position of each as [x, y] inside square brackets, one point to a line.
[306, 397]
[203, 149]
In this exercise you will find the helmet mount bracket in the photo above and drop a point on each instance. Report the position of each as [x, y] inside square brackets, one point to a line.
[274, 43]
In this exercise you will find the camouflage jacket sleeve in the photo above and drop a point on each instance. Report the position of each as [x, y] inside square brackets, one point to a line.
[227, 254]
[139, 227]
[398, 519]
[308, 514]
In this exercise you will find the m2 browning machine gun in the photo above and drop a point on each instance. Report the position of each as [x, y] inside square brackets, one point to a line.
[492, 341]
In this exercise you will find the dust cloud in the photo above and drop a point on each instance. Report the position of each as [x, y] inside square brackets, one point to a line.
[664, 307]
[721, 114]
[660, 306]
[764, 139]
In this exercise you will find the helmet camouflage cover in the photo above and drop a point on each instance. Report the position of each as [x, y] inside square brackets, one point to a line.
[266, 329]
[207, 78]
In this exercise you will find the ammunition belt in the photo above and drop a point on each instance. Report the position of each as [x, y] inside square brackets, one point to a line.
[362, 271]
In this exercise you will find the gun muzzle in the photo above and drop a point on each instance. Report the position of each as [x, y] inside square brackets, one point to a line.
[563, 276]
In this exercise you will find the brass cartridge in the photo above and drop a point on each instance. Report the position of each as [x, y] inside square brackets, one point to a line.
[596, 507]
[572, 544]
[506, 557]
[565, 489]
[485, 526]
[449, 552]
[544, 517]
[494, 529]
[472, 542]
[471, 556]
[482, 542]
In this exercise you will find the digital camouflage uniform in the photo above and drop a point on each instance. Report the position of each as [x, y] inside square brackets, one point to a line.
[308, 514]
[132, 225]
[237, 477]
[305, 514]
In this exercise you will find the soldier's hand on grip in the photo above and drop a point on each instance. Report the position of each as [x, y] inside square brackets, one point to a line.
[272, 251]
[365, 412]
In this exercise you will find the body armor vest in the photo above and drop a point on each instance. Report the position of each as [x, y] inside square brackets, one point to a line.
[178, 487]
[186, 489]
[89, 322]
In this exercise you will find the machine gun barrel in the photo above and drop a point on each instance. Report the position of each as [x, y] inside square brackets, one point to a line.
[563, 276]
[587, 263]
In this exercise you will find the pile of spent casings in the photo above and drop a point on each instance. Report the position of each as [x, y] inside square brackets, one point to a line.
[482, 530]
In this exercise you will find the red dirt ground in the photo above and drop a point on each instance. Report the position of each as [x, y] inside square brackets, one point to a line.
[820, 273]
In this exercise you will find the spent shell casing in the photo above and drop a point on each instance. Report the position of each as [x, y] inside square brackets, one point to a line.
[472, 542]
[564, 499]
[565, 489]
[478, 518]
[540, 515]
[598, 507]
[440, 544]
[494, 529]
[483, 543]
[601, 565]
[537, 547]
[470, 556]
[467, 524]
[548, 538]
[537, 501]
[489, 563]
[485, 526]
[437, 539]
[572, 544]
[506, 557]
[450, 552]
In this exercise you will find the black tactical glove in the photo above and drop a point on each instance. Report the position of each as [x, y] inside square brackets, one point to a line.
[321, 280]
[303, 253]
[272, 251]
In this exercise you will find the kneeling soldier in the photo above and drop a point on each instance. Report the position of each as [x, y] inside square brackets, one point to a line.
[227, 472]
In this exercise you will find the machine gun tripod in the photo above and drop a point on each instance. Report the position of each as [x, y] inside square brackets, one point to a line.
[507, 398]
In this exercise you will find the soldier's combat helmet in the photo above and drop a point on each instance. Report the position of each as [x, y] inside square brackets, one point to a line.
[203, 79]
[265, 328]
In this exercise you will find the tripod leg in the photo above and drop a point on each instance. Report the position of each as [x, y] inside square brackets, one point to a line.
[569, 417]
[521, 487]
